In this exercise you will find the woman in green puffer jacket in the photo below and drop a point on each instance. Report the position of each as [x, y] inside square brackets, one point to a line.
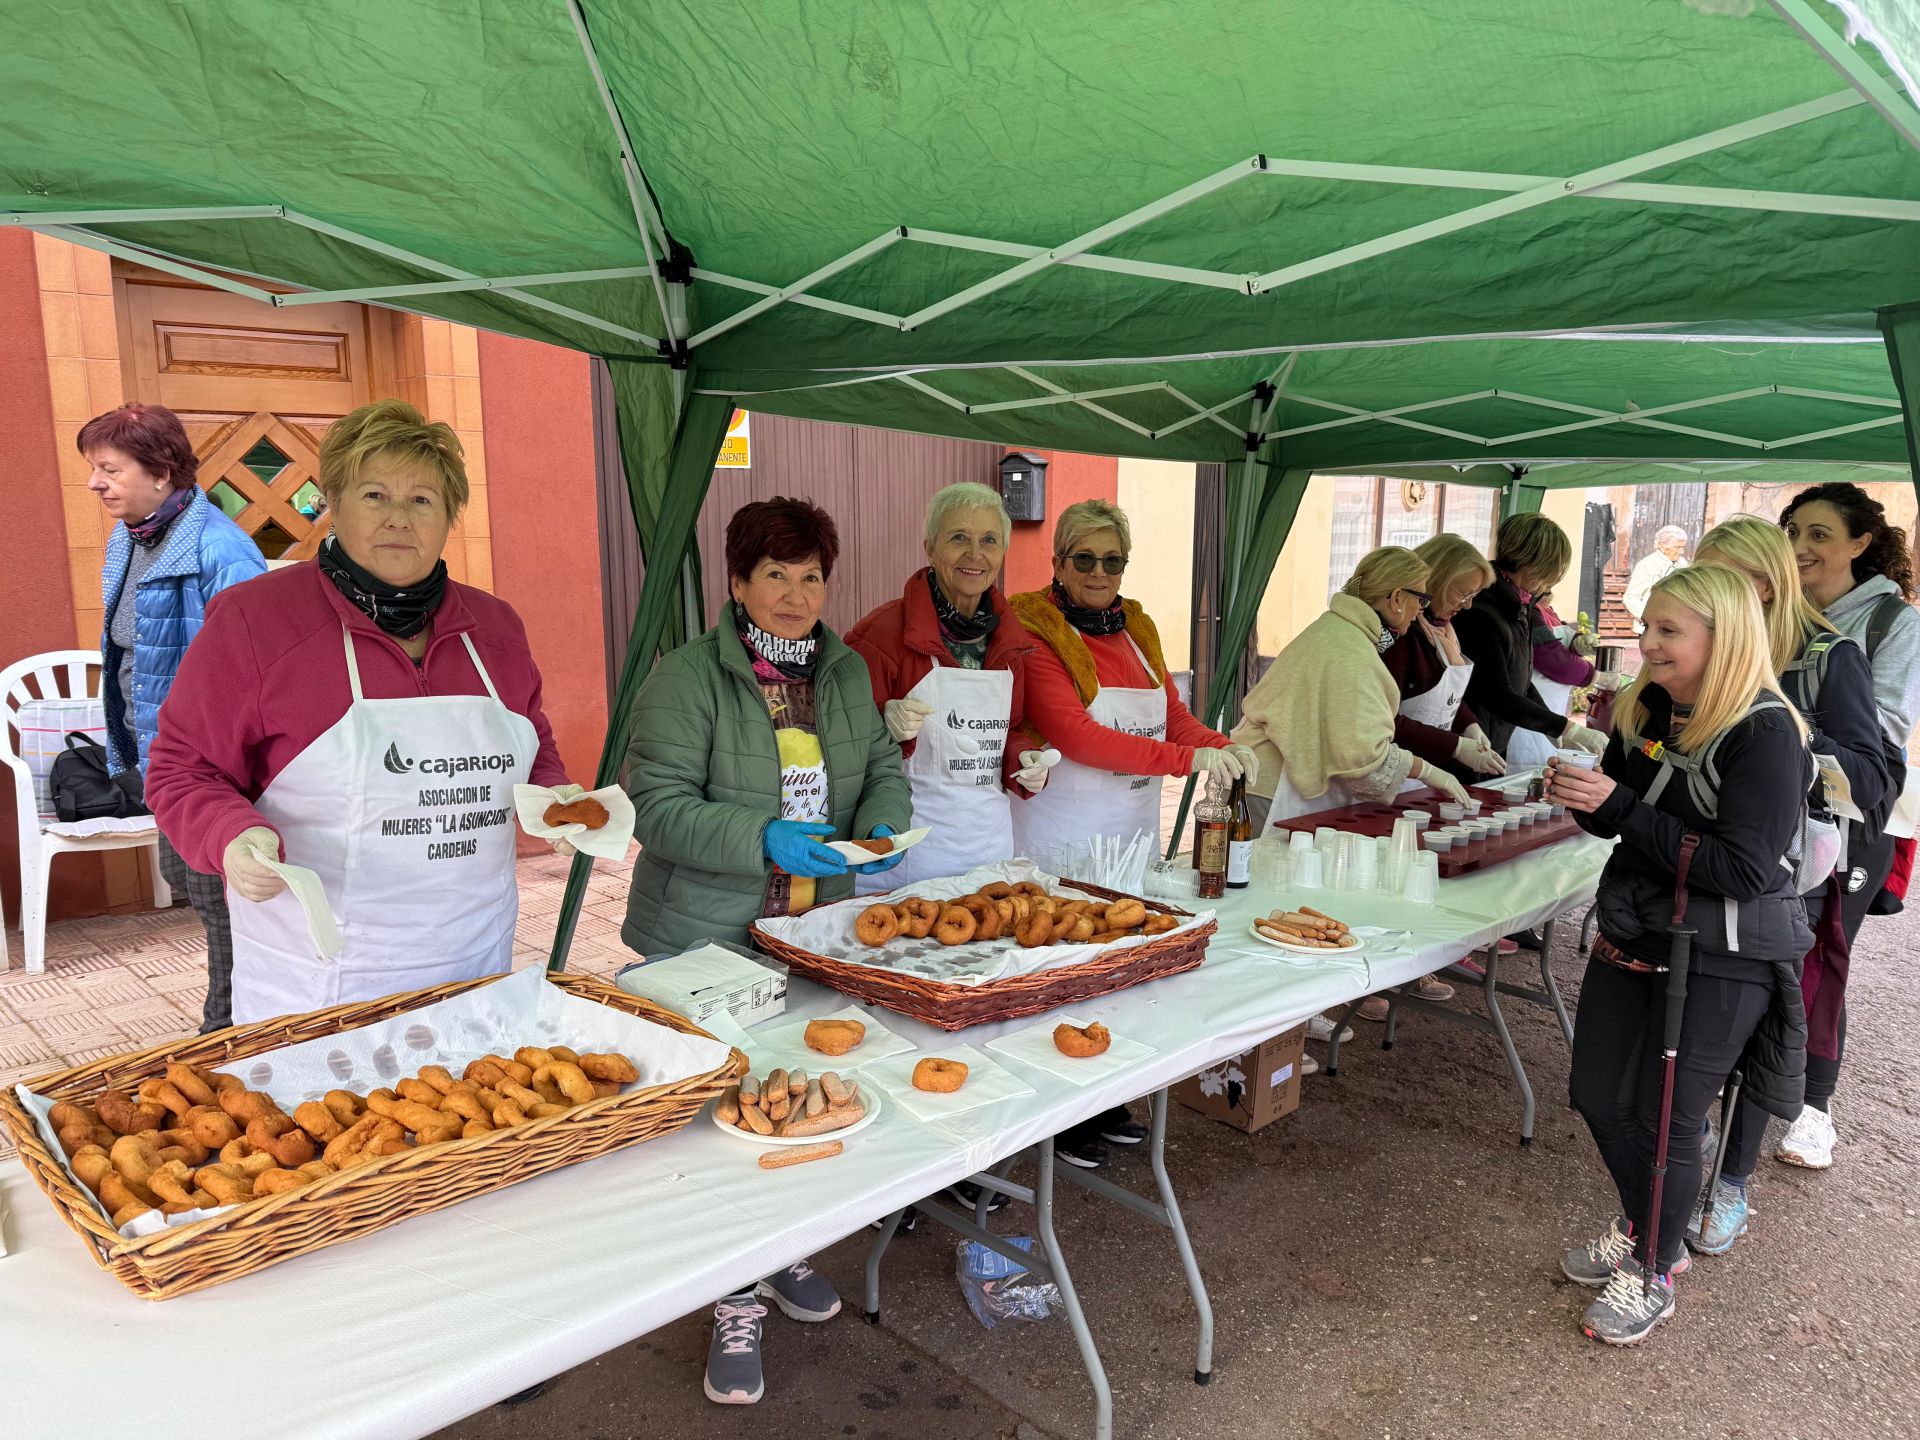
[752, 744]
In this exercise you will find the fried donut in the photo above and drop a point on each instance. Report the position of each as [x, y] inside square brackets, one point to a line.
[475, 1127]
[986, 916]
[172, 1182]
[549, 1093]
[575, 1087]
[349, 1141]
[419, 1092]
[519, 1071]
[834, 1037]
[563, 1052]
[955, 927]
[81, 1133]
[135, 1157]
[876, 844]
[877, 925]
[212, 1126]
[125, 1202]
[65, 1113]
[125, 1116]
[449, 1129]
[276, 1182]
[998, 890]
[608, 1065]
[1126, 915]
[227, 1185]
[533, 1057]
[604, 1088]
[289, 1145]
[191, 1081]
[317, 1120]
[508, 1112]
[90, 1165]
[585, 811]
[346, 1106]
[1072, 930]
[1082, 1043]
[926, 914]
[544, 1109]
[942, 1077]
[1031, 890]
[1037, 931]
[439, 1077]
[463, 1100]
[487, 1070]
[182, 1145]
[164, 1094]
[247, 1106]
[1160, 924]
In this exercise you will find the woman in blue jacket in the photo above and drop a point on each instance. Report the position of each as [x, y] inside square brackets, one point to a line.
[171, 553]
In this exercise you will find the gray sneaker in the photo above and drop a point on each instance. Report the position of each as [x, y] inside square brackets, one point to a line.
[801, 1292]
[1628, 1309]
[1594, 1262]
[1715, 1227]
[733, 1359]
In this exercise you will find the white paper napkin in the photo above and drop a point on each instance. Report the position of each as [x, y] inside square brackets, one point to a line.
[783, 1044]
[1035, 1047]
[859, 854]
[312, 895]
[987, 1083]
[609, 842]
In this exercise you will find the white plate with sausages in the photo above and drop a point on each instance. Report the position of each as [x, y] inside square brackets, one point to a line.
[869, 1100]
[1349, 944]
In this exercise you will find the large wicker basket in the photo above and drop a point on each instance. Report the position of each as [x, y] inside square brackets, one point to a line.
[955, 1007]
[354, 1202]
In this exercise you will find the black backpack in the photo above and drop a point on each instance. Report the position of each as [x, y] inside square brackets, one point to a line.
[84, 790]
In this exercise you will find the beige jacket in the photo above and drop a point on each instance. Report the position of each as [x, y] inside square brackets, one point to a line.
[1325, 708]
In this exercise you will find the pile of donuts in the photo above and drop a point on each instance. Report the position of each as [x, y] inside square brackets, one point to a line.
[196, 1139]
[1025, 913]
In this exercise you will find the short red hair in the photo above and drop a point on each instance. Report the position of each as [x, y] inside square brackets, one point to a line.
[789, 531]
[150, 434]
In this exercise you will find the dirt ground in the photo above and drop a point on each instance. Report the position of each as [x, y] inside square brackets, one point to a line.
[1383, 1264]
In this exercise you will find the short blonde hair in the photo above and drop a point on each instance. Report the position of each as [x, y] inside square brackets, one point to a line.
[1383, 571]
[1078, 521]
[1739, 666]
[1533, 542]
[392, 430]
[965, 495]
[1759, 549]
[1450, 556]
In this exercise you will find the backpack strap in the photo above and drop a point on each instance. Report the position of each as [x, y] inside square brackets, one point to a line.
[1885, 610]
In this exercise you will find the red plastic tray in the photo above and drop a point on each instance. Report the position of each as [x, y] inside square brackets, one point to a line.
[1378, 818]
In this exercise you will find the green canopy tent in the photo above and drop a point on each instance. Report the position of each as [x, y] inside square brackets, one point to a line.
[1286, 235]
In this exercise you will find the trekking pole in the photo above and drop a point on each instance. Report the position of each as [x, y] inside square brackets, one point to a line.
[1679, 956]
[1729, 1104]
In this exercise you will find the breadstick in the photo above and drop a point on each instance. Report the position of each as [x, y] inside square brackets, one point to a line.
[837, 1090]
[853, 1097]
[800, 1155]
[776, 1084]
[1339, 925]
[749, 1091]
[797, 1082]
[752, 1119]
[729, 1107]
[816, 1098]
[824, 1123]
[779, 1106]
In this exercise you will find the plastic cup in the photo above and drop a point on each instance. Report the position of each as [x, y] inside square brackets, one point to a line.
[1309, 870]
[1406, 837]
[1298, 840]
[1343, 861]
[1325, 837]
[1578, 759]
[1421, 818]
[1476, 831]
[1366, 864]
[1423, 879]
[1439, 844]
[1473, 807]
[1450, 812]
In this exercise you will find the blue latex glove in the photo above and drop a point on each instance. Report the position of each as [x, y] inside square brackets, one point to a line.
[791, 844]
[874, 867]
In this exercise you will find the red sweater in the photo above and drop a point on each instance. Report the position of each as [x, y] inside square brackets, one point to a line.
[1054, 708]
[900, 642]
[267, 676]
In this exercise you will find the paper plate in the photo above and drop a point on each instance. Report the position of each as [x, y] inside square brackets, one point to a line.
[1353, 949]
[860, 855]
[869, 1096]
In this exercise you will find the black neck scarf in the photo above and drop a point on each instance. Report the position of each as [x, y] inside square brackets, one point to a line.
[152, 530]
[401, 613]
[958, 629]
[1110, 621]
[775, 659]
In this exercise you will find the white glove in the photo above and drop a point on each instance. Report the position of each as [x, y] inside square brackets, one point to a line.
[905, 717]
[1444, 783]
[1032, 775]
[1230, 761]
[250, 879]
[1580, 737]
[1478, 756]
[1476, 733]
[1608, 679]
[1249, 763]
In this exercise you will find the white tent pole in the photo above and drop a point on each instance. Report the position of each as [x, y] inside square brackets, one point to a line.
[1364, 415]
[1212, 412]
[1559, 189]
[835, 307]
[1065, 397]
[76, 236]
[1200, 414]
[1358, 413]
[945, 399]
[1853, 68]
[450, 287]
[1829, 434]
[1081, 401]
[36, 218]
[1147, 269]
[826, 272]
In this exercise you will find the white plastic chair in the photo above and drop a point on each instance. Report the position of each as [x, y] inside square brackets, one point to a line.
[58, 674]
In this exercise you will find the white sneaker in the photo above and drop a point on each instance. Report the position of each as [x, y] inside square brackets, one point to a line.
[1321, 1028]
[1809, 1142]
[1309, 1065]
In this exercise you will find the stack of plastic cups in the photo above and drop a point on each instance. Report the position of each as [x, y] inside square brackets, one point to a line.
[1309, 865]
[1343, 862]
[1365, 875]
[1326, 839]
[1423, 879]
[1402, 846]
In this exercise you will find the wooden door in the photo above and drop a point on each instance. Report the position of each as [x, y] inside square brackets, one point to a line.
[256, 387]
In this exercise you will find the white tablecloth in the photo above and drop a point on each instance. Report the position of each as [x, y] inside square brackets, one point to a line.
[492, 1295]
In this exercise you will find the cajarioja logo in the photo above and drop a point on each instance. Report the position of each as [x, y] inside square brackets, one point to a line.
[398, 764]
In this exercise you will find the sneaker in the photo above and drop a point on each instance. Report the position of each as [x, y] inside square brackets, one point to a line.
[733, 1359]
[1594, 1262]
[1434, 990]
[1527, 939]
[1629, 1308]
[1117, 1127]
[1715, 1227]
[1087, 1151]
[1809, 1141]
[1308, 1065]
[802, 1293]
[968, 1195]
[1321, 1028]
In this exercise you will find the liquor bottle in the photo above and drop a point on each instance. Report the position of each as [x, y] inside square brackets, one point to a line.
[1212, 819]
[1239, 837]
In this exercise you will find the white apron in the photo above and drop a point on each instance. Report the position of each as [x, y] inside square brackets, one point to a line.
[404, 808]
[954, 772]
[1289, 803]
[1528, 749]
[1080, 801]
[1437, 707]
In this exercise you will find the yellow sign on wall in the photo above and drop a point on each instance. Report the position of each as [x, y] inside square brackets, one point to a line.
[734, 450]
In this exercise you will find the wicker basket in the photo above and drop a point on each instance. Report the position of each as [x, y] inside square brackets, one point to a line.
[955, 1007]
[368, 1197]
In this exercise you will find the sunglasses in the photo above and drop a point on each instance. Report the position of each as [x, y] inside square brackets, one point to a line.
[1085, 560]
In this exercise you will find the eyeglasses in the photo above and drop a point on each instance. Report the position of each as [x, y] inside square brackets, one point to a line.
[1085, 560]
[1420, 595]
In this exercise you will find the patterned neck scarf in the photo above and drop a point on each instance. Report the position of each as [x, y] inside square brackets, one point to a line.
[958, 629]
[401, 613]
[777, 661]
[1110, 621]
[1384, 641]
[152, 530]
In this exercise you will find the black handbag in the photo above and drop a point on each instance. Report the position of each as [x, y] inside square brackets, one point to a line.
[84, 789]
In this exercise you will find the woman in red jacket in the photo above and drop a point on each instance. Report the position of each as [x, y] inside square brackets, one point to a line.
[948, 663]
[367, 718]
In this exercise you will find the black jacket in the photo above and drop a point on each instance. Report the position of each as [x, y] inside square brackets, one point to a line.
[1496, 634]
[1738, 861]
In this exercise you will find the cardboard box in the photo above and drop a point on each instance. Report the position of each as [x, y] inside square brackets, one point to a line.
[708, 980]
[1252, 1089]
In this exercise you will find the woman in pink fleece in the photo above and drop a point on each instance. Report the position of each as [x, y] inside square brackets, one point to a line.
[366, 718]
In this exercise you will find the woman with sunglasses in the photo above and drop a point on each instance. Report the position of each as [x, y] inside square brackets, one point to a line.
[1099, 692]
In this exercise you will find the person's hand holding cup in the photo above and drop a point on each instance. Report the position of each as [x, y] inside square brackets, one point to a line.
[1576, 782]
